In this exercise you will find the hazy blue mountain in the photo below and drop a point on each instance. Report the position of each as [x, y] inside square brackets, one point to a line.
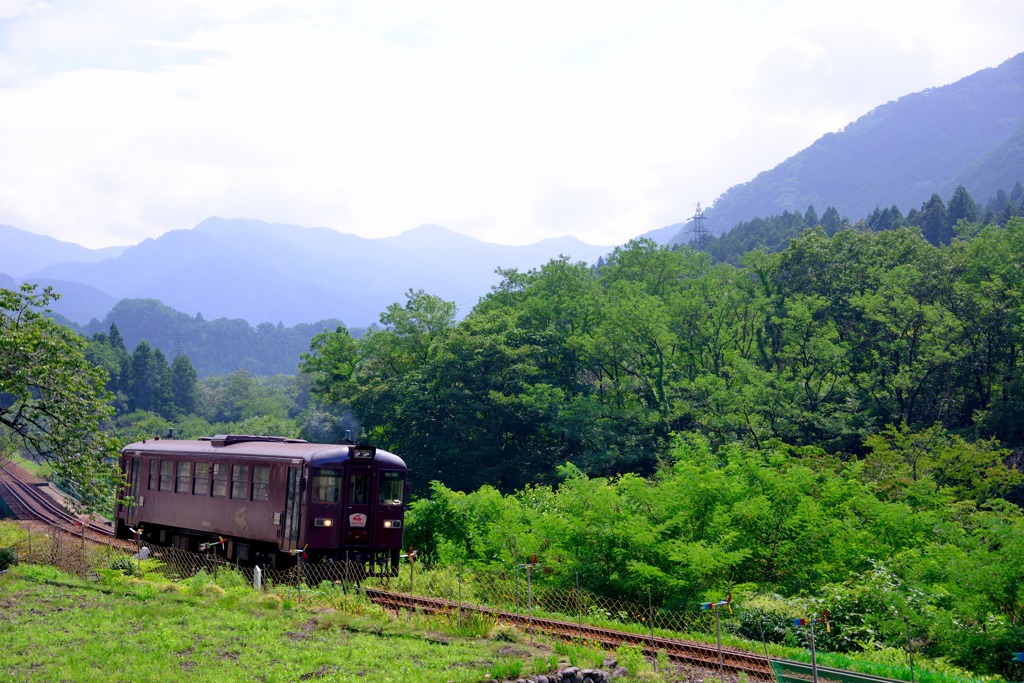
[987, 175]
[667, 235]
[24, 252]
[899, 153]
[220, 346]
[78, 302]
[263, 272]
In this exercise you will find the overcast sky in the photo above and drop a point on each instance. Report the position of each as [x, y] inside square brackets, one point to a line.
[511, 121]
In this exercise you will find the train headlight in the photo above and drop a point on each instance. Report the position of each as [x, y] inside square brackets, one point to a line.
[392, 524]
[363, 452]
[323, 521]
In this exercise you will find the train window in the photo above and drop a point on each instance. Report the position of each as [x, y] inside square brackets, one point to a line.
[184, 482]
[201, 484]
[260, 482]
[166, 474]
[392, 487]
[240, 481]
[220, 480]
[358, 489]
[154, 474]
[325, 486]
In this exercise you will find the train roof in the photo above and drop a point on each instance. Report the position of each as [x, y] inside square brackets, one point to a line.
[278, 448]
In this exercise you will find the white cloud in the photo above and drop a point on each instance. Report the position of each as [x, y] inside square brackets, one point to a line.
[512, 122]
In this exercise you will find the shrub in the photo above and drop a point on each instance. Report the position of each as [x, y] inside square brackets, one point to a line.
[506, 633]
[632, 658]
[125, 565]
[8, 558]
[212, 590]
[270, 601]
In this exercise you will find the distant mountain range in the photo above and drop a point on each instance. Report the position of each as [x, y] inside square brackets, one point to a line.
[970, 132]
[263, 272]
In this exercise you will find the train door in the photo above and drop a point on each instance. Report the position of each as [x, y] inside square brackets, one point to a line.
[133, 467]
[324, 511]
[292, 510]
[358, 516]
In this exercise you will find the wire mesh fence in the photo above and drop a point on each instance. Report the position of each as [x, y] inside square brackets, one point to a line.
[513, 590]
[519, 592]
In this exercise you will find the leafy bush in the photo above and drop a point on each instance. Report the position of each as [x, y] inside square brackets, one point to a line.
[506, 633]
[767, 618]
[8, 558]
[125, 565]
[632, 658]
[270, 601]
[11, 534]
[212, 590]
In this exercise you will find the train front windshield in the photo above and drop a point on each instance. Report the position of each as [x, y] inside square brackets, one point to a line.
[392, 488]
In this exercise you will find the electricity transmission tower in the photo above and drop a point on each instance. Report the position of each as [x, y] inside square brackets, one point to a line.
[699, 230]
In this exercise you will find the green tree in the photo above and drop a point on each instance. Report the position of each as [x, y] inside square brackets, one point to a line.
[53, 402]
[961, 208]
[900, 457]
[811, 217]
[150, 387]
[184, 385]
[934, 221]
[831, 221]
[331, 362]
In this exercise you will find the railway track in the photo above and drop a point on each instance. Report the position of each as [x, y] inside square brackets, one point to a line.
[733, 660]
[28, 501]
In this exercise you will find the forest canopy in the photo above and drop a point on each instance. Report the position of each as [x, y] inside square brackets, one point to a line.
[824, 344]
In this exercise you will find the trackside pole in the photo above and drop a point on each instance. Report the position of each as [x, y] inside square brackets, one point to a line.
[910, 648]
[718, 636]
[298, 554]
[529, 601]
[650, 623]
[412, 573]
[579, 608]
[529, 594]
[85, 565]
[814, 658]
[515, 552]
[718, 630]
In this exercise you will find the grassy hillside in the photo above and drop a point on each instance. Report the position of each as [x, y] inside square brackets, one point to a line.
[56, 627]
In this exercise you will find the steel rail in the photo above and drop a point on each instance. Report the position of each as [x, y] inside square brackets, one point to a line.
[34, 503]
[706, 656]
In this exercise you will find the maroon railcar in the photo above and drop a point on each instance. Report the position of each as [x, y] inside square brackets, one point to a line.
[267, 498]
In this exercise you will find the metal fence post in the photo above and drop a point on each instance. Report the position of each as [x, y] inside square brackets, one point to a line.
[529, 601]
[515, 552]
[579, 608]
[344, 576]
[85, 564]
[412, 575]
[650, 618]
[910, 648]
[814, 659]
[718, 636]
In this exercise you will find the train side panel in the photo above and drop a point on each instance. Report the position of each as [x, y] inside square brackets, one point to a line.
[267, 499]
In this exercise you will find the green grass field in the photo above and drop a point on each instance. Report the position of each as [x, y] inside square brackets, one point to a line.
[58, 628]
